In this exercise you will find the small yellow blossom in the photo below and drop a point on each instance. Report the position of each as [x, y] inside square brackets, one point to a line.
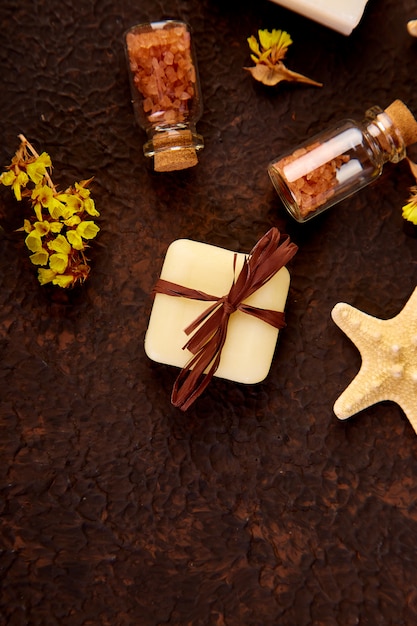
[58, 262]
[90, 207]
[88, 229]
[84, 230]
[267, 56]
[21, 180]
[72, 221]
[34, 241]
[56, 227]
[27, 226]
[15, 181]
[60, 244]
[81, 188]
[273, 46]
[72, 202]
[45, 197]
[409, 211]
[38, 168]
[46, 276]
[42, 196]
[40, 258]
[43, 227]
[75, 239]
[8, 178]
[58, 209]
[64, 280]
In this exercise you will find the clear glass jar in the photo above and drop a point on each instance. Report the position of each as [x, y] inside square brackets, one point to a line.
[166, 92]
[338, 162]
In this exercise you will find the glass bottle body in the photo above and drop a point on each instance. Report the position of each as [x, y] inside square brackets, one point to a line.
[166, 94]
[335, 164]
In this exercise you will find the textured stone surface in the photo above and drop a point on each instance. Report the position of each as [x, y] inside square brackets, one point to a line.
[257, 507]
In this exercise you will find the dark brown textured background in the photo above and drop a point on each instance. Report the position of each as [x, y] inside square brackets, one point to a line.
[257, 507]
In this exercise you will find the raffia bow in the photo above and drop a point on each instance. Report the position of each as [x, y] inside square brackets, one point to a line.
[268, 256]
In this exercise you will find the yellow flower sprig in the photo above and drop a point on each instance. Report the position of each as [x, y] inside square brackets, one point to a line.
[267, 54]
[58, 233]
[409, 210]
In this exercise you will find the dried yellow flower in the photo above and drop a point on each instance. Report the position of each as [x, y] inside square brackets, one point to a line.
[267, 54]
[58, 232]
[409, 210]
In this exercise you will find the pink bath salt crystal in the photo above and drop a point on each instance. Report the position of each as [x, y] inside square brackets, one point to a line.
[157, 117]
[155, 63]
[320, 188]
[147, 105]
[297, 154]
[181, 61]
[168, 57]
[171, 74]
[152, 88]
[161, 71]
[171, 117]
[192, 75]
[165, 102]
[133, 65]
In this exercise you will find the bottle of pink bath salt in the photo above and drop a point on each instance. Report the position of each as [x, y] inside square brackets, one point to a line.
[336, 163]
[166, 93]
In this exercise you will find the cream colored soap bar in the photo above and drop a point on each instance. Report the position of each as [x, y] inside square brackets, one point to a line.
[341, 15]
[250, 343]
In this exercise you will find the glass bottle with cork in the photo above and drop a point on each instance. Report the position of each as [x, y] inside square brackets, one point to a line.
[336, 163]
[166, 93]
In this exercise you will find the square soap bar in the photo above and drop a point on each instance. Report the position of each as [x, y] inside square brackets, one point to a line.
[341, 15]
[250, 343]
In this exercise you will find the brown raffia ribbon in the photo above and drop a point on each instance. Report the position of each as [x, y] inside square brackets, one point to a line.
[268, 256]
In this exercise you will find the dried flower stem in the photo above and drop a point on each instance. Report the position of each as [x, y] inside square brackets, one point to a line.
[28, 145]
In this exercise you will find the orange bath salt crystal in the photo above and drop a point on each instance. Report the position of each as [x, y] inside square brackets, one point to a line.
[168, 57]
[171, 74]
[147, 105]
[166, 102]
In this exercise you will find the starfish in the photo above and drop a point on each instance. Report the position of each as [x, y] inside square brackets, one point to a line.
[389, 359]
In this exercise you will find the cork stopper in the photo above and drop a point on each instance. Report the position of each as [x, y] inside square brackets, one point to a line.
[404, 120]
[174, 150]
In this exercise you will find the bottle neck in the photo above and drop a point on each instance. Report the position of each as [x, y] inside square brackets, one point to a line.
[173, 147]
[386, 136]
